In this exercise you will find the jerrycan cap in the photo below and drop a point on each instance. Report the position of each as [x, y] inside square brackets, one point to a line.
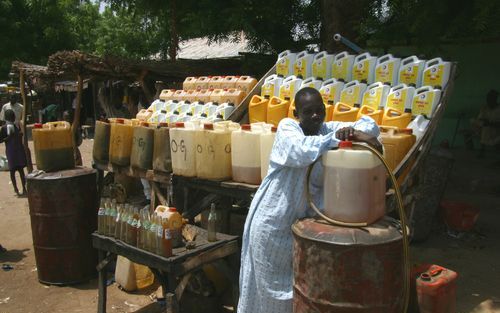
[145, 124]
[203, 114]
[201, 102]
[274, 129]
[172, 209]
[246, 127]
[387, 83]
[407, 110]
[345, 144]
[120, 120]
[215, 103]
[341, 80]
[208, 126]
[363, 81]
[407, 131]
[163, 111]
[230, 104]
[162, 124]
[331, 102]
[38, 125]
[179, 125]
[357, 105]
[175, 101]
[187, 102]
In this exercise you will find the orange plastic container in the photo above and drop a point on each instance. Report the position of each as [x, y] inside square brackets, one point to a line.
[369, 111]
[396, 118]
[277, 109]
[167, 94]
[215, 82]
[459, 216]
[257, 109]
[232, 95]
[190, 95]
[397, 143]
[189, 83]
[436, 290]
[290, 110]
[178, 95]
[202, 82]
[229, 82]
[344, 113]
[144, 114]
[246, 83]
[204, 95]
[217, 95]
[329, 107]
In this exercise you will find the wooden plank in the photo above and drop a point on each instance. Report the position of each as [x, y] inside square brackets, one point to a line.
[208, 257]
[159, 193]
[160, 177]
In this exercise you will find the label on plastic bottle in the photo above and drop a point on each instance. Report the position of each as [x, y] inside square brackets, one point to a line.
[168, 234]
[360, 71]
[384, 72]
[101, 211]
[159, 231]
[408, 74]
[397, 100]
[283, 66]
[434, 76]
[373, 98]
[340, 69]
[319, 68]
[422, 104]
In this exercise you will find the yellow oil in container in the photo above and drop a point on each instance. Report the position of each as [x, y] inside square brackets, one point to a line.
[397, 143]
[54, 146]
[100, 149]
[174, 223]
[425, 101]
[329, 107]
[436, 73]
[217, 95]
[352, 93]
[400, 97]
[229, 82]
[369, 111]
[387, 69]
[285, 63]
[202, 82]
[257, 109]
[277, 109]
[303, 64]
[215, 82]
[289, 87]
[411, 70]
[232, 95]
[245, 153]
[246, 83]
[189, 83]
[375, 95]
[363, 68]
[330, 90]
[322, 65]
[396, 118]
[120, 142]
[342, 66]
[131, 276]
[213, 150]
[204, 95]
[167, 94]
[271, 86]
[343, 112]
[162, 160]
[142, 147]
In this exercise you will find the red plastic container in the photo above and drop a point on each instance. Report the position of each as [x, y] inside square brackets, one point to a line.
[459, 216]
[436, 290]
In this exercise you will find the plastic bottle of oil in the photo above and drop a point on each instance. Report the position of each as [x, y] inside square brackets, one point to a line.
[111, 219]
[118, 220]
[166, 239]
[144, 230]
[159, 235]
[105, 223]
[101, 217]
[212, 223]
[123, 222]
[151, 235]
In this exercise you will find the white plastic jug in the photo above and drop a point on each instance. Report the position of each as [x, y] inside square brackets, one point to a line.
[330, 90]
[411, 70]
[245, 153]
[342, 66]
[363, 68]
[322, 65]
[418, 126]
[210, 108]
[157, 105]
[271, 86]
[224, 110]
[158, 117]
[387, 69]
[183, 107]
[285, 63]
[400, 97]
[266, 145]
[289, 87]
[375, 95]
[425, 101]
[352, 93]
[197, 107]
[182, 146]
[303, 64]
[172, 117]
[311, 82]
[436, 73]
[185, 117]
[354, 185]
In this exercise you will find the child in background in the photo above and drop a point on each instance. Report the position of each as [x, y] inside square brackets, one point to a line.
[10, 133]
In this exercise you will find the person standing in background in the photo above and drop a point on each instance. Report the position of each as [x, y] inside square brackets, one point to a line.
[13, 105]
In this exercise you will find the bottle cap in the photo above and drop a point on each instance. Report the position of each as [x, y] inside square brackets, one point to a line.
[246, 127]
[230, 104]
[215, 103]
[201, 102]
[208, 126]
[172, 209]
[179, 125]
[120, 120]
[274, 129]
[163, 125]
[38, 125]
[345, 144]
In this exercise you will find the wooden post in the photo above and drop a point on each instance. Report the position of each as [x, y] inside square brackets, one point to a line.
[23, 123]
[76, 118]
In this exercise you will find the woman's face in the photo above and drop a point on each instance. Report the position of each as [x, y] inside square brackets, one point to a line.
[311, 113]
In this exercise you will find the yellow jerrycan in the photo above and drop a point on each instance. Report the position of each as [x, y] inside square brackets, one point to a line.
[330, 90]
[312, 83]
[352, 93]
[289, 87]
[246, 84]
[342, 66]
[343, 112]
[277, 109]
[397, 142]
[100, 149]
[396, 118]
[120, 141]
[141, 155]
[217, 95]
[303, 64]
[229, 82]
[400, 97]
[329, 107]
[436, 73]
[54, 146]
[178, 95]
[257, 109]
[387, 69]
[167, 94]
[131, 276]
[232, 95]
[291, 108]
[202, 82]
[411, 70]
[190, 95]
[271, 86]
[363, 68]
[162, 159]
[215, 82]
[285, 63]
[376, 114]
[204, 95]
[189, 83]
[425, 101]
[266, 146]
[322, 65]
[375, 95]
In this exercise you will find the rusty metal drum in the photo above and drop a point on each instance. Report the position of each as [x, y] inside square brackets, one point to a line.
[347, 270]
[63, 209]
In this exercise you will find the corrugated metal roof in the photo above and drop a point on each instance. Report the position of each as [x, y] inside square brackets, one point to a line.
[200, 48]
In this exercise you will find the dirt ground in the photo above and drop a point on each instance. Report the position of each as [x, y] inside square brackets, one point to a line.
[475, 256]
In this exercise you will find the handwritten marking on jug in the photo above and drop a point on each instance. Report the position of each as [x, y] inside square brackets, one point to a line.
[181, 147]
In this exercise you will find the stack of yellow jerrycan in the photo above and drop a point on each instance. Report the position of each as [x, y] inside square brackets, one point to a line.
[343, 112]
[257, 109]
[396, 118]
[375, 95]
[54, 146]
[142, 146]
[397, 142]
[213, 150]
[162, 160]
[100, 150]
[120, 141]
[277, 109]
[352, 93]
